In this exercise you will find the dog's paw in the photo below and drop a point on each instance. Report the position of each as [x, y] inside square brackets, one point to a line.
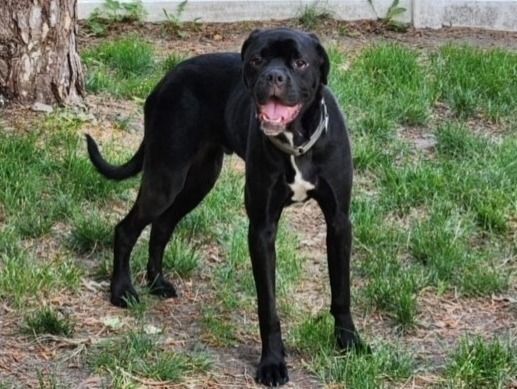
[162, 288]
[350, 341]
[123, 295]
[272, 372]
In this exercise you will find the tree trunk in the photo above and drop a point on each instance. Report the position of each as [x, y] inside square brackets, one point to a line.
[38, 52]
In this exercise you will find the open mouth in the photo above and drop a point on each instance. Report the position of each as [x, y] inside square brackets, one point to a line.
[274, 116]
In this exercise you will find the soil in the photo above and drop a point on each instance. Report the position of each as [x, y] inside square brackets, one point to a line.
[442, 319]
[212, 37]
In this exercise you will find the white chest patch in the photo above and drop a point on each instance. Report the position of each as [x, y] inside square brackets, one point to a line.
[299, 186]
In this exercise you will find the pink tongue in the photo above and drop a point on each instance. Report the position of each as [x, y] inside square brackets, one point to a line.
[275, 111]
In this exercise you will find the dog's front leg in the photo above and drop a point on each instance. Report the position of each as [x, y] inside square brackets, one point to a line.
[334, 202]
[339, 241]
[264, 214]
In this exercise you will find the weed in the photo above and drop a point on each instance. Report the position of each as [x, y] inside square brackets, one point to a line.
[389, 21]
[311, 15]
[103, 270]
[478, 363]
[48, 321]
[369, 229]
[123, 123]
[44, 185]
[113, 11]
[173, 24]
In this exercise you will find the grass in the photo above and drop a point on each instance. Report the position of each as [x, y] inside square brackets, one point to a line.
[139, 356]
[472, 81]
[394, 289]
[477, 363]
[385, 366]
[90, 232]
[24, 278]
[182, 258]
[389, 80]
[48, 321]
[218, 329]
[58, 179]
[125, 68]
[453, 211]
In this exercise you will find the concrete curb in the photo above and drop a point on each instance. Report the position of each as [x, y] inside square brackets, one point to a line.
[487, 14]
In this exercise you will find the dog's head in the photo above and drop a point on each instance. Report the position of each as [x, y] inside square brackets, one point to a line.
[284, 71]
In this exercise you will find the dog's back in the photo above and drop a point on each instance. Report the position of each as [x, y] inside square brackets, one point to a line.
[200, 87]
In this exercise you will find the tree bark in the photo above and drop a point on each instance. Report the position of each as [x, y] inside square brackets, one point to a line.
[39, 61]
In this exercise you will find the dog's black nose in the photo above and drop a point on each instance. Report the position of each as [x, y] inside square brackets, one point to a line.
[276, 77]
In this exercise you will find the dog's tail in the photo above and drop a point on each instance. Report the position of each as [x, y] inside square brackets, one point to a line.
[128, 169]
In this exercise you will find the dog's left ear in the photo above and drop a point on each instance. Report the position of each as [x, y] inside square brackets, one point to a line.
[324, 58]
[247, 42]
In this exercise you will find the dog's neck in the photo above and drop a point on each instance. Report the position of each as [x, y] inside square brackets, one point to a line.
[303, 128]
[288, 143]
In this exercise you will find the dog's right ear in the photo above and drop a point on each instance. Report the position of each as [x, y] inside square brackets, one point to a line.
[247, 42]
[324, 58]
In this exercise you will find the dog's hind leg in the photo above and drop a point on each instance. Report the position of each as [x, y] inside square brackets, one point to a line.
[200, 179]
[157, 192]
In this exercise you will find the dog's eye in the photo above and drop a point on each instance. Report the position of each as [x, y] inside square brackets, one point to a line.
[300, 64]
[256, 60]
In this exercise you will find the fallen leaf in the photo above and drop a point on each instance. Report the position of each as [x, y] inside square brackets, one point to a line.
[112, 322]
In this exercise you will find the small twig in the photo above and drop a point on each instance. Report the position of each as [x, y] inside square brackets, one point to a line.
[68, 341]
[144, 381]
[78, 350]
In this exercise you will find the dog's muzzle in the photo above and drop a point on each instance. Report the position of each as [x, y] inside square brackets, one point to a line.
[275, 116]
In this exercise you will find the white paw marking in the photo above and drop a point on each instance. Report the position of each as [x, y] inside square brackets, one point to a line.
[299, 186]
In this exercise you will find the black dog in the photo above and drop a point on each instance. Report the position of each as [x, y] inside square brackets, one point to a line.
[271, 107]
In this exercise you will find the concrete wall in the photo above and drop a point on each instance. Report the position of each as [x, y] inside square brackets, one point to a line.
[488, 14]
